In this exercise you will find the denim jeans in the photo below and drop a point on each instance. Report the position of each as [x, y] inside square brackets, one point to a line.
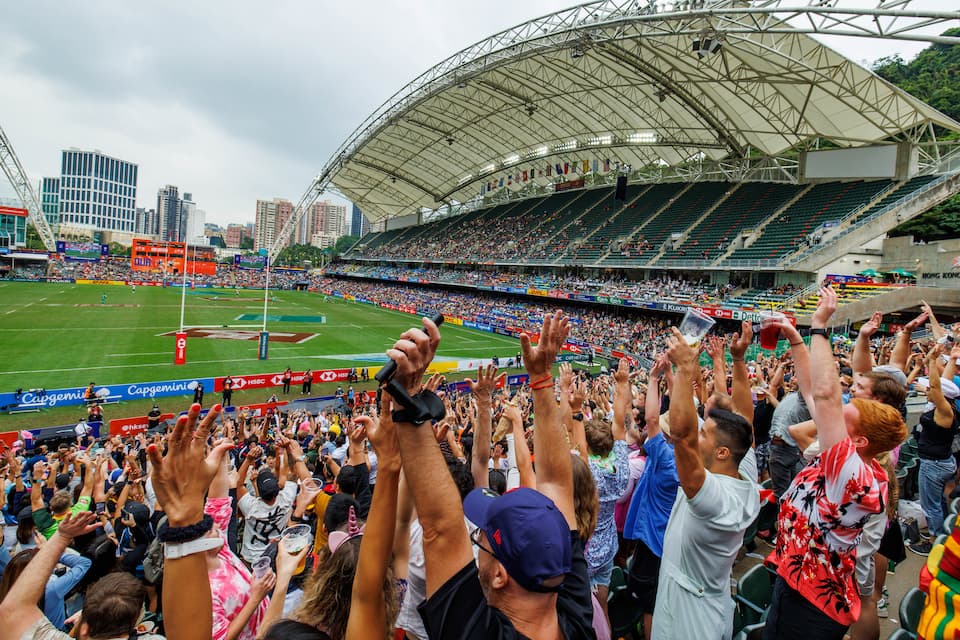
[785, 462]
[933, 477]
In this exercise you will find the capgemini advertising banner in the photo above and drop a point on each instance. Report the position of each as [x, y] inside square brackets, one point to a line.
[46, 398]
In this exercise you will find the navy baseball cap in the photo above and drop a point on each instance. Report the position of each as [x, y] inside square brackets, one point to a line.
[526, 532]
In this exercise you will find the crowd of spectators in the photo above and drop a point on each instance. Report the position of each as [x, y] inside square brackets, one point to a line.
[496, 512]
[628, 332]
[666, 288]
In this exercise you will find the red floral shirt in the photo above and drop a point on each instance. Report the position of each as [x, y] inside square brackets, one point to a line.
[821, 520]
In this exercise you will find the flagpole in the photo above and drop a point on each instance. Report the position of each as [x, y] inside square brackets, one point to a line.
[183, 290]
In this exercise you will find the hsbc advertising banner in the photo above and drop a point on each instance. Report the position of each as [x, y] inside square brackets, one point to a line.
[265, 380]
[133, 426]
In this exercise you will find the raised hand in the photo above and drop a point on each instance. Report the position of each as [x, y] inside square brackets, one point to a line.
[714, 346]
[539, 359]
[181, 477]
[678, 351]
[413, 353]
[382, 433]
[622, 374]
[487, 380]
[566, 377]
[742, 340]
[287, 563]
[825, 308]
[917, 322]
[872, 325]
[75, 525]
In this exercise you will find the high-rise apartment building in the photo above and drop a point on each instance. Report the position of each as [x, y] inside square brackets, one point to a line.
[170, 213]
[147, 222]
[271, 216]
[234, 235]
[96, 192]
[359, 225]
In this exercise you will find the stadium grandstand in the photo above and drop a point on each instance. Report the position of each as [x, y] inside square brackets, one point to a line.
[707, 138]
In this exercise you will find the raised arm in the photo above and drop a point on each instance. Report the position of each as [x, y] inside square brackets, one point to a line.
[652, 404]
[716, 349]
[901, 349]
[943, 414]
[862, 360]
[742, 399]
[571, 400]
[18, 610]
[181, 478]
[446, 545]
[935, 327]
[554, 469]
[683, 415]
[622, 399]
[827, 410]
[368, 608]
[482, 390]
[802, 364]
[524, 466]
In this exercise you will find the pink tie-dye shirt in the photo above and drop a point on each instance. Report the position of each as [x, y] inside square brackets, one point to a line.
[230, 584]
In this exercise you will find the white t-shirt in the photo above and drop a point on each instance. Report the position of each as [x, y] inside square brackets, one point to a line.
[82, 429]
[409, 618]
[703, 536]
[263, 521]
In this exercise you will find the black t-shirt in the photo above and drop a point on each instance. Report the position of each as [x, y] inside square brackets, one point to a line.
[459, 610]
[762, 418]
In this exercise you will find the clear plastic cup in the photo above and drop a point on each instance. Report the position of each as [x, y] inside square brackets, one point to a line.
[295, 539]
[695, 325]
[770, 329]
[260, 566]
[310, 485]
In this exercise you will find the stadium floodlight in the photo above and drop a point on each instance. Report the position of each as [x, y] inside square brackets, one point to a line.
[542, 151]
[513, 158]
[642, 137]
[490, 168]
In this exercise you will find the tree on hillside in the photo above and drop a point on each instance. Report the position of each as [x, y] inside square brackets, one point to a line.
[246, 244]
[295, 255]
[344, 243]
[934, 77]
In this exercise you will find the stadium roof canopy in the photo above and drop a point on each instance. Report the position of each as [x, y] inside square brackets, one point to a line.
[640, 84]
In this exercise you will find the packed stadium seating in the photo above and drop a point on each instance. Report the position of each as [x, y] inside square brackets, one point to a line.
[590, 227]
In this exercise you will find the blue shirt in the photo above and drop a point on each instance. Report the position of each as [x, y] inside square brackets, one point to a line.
[654, 496]
[59, 586]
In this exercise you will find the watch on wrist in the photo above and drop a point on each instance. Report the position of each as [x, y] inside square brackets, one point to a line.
[820, 331]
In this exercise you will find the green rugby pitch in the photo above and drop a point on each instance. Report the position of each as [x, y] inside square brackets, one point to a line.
[60, 335]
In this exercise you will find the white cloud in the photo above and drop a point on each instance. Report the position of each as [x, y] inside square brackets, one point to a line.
[234, 101]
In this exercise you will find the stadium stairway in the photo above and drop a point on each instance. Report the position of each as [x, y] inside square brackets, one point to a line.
[680, 212]
[878, 220]
[822, 203]
[747, 207]
[668, 247]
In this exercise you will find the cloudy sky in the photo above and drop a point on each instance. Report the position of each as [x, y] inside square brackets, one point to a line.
[235, 101]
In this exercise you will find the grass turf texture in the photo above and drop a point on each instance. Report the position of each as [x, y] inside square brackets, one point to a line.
[48, 341]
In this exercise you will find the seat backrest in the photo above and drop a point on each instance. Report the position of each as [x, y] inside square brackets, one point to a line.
[755, 586]
[910, 609]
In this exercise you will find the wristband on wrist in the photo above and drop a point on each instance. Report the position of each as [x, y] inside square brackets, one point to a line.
[796, 344]
[176, 550]
[737, 359]
[544, 383]
[176, 535]
[549, 377]
[820, 331]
